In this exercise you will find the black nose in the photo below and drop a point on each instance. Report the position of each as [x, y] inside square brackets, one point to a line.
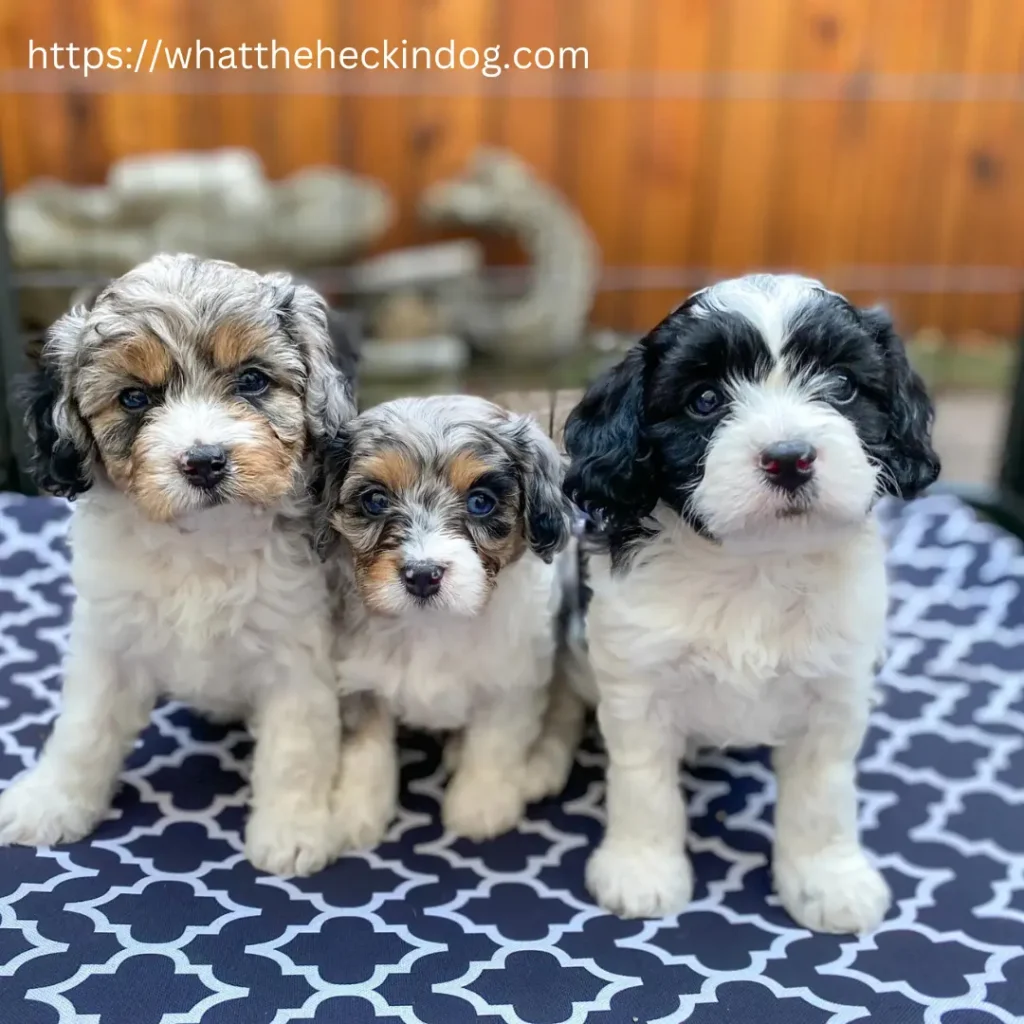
[204, 465]
[422, 579]
[788, 464]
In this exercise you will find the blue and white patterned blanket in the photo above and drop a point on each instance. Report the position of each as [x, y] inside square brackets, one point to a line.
[158, 919]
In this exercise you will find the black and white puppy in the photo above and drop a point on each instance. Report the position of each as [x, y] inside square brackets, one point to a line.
[733, 459]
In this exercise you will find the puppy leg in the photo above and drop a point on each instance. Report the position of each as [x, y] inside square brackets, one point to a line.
[68, 792]
[485, 796]
[451, 754]
[552, 756]
[641, 868]
[297, 729]
[366, 796]
[822, 873]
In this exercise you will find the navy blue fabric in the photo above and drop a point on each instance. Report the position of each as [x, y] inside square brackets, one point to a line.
[157, 917]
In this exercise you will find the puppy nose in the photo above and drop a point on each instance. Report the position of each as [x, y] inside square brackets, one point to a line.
[422, 579]
[204, 464]
[788, 464]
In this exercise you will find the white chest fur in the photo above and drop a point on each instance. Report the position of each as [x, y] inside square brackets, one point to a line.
[435, 669]
[193, 611]
[737, 648]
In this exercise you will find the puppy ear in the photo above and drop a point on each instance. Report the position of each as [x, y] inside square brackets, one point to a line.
[907, 451]
[546, 509]
[333, 456]
[611, 471]
[62, 449]
[329, 393]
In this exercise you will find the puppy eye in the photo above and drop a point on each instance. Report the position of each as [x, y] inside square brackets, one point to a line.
[375, 503]
[251, 383]
[705, 401]
[480, 503]
[843, 390]
[134, 399]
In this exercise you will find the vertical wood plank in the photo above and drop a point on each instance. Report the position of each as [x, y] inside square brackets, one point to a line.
[44, 115]
[380, 123]
[670, 153]
[603, 134]
[748, 143]
[529, 126]
[446, 129]
[14, 166]
[825, 37]
[981, 181]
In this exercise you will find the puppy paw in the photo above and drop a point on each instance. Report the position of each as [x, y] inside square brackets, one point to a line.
[547, 771]
[362, 814]
[638, 881]
[835, 891]
[482, 805]
[34, 812]
[291, 843]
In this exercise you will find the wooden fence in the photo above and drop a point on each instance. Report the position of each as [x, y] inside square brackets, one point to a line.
[877, 143]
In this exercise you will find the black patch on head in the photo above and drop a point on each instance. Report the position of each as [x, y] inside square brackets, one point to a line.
[58, 466]
[891, 410]
[633, 440]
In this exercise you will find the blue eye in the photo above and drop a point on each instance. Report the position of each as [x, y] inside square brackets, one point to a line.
[705, 401]
[375, 503]
[133, 399]
[480, 503]
[251, 383]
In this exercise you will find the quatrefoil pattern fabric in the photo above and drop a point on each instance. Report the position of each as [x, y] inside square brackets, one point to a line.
[158, 919]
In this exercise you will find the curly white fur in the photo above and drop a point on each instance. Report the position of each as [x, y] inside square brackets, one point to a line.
[700, 643]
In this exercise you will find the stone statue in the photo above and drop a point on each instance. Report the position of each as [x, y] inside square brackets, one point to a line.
[217, 204]
[499, 193]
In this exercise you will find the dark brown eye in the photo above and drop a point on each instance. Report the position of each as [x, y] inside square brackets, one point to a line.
[842, 390]
[134, 399]
[250, 383]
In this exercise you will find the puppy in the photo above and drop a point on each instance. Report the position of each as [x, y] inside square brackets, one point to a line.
[448, 518]
[733, 459]
[181, 409]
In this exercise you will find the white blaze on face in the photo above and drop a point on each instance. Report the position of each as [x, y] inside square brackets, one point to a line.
[464, 585]
[734, 495]
[182, 424]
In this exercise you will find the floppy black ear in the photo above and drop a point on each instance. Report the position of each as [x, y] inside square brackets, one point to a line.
[62, 451]
[546, 508]
[611, 471]
[907, 451]
[332, 461]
